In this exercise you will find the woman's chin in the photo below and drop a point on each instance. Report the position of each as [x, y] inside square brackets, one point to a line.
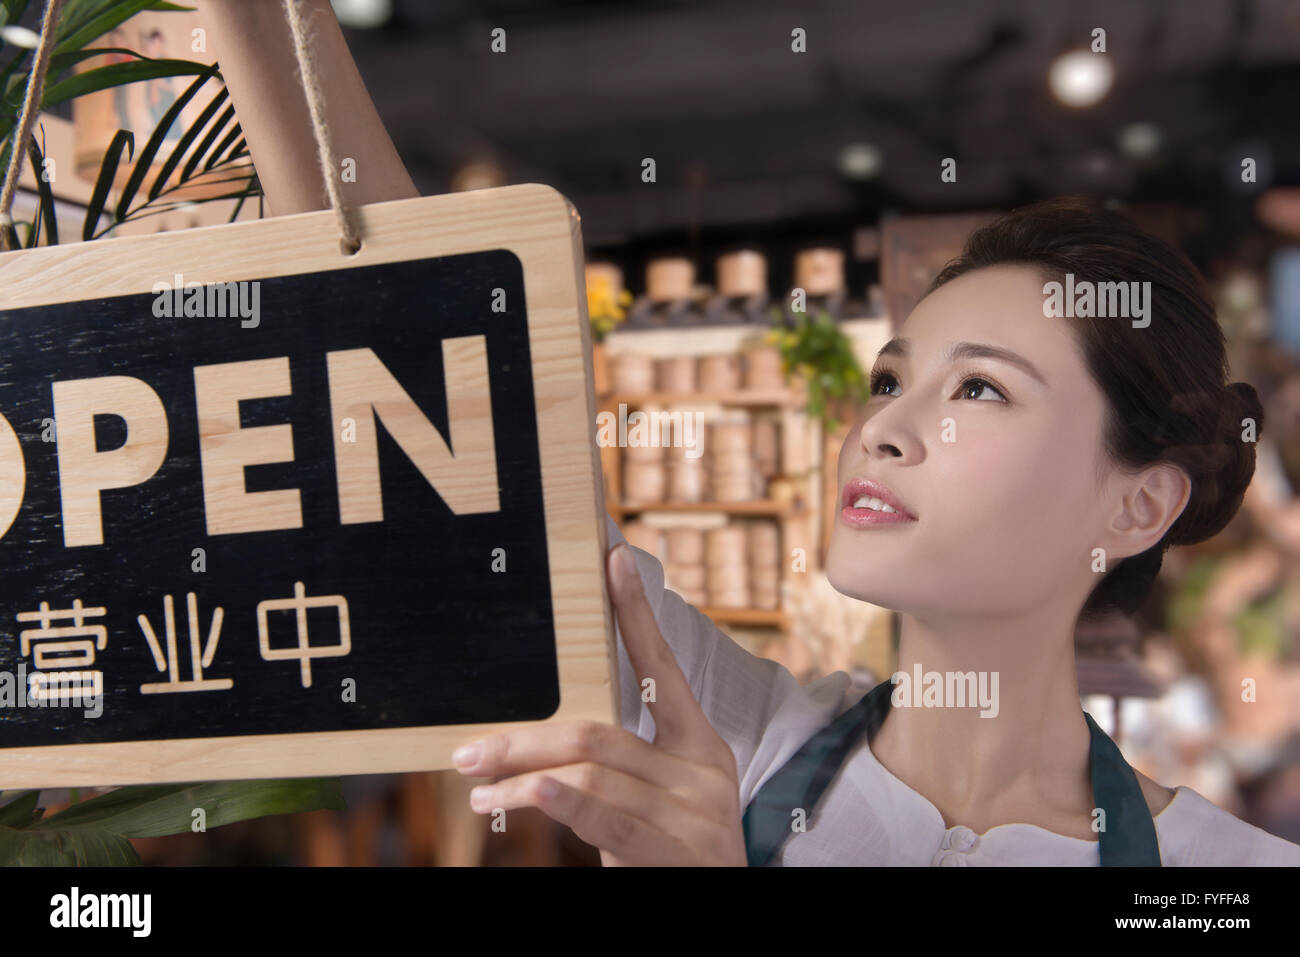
[852, 585]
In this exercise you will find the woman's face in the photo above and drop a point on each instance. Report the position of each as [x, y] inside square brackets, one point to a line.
[998, 468]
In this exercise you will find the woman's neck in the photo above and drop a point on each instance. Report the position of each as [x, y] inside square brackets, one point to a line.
[1027, 761]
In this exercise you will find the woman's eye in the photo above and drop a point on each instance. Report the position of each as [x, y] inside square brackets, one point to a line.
[877, 378]
[980, 384]
[982, 388]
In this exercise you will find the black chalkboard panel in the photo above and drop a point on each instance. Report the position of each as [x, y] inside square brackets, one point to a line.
[449, 616]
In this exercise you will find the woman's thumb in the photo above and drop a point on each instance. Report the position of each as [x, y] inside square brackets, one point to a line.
[625, 580]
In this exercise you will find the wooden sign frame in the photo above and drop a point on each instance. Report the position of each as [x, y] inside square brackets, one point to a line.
[540, 227]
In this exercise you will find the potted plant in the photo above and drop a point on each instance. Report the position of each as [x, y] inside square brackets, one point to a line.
[814, 347]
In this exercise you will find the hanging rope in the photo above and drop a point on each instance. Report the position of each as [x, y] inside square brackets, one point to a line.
[27, 118]
[351, 235]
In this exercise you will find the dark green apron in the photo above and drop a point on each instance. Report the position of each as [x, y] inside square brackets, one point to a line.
[1129, 839]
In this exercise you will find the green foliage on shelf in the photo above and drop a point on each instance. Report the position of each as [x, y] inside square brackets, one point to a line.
[816, 349]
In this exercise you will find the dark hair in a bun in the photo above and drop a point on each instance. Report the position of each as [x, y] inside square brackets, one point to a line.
[1168, 398]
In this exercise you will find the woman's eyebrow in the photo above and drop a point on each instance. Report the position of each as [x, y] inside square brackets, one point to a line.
[899, 346]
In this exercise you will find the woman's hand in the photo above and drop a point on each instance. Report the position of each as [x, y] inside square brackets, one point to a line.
[676, 801]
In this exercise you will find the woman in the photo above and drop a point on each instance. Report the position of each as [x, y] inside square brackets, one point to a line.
[1013, 470]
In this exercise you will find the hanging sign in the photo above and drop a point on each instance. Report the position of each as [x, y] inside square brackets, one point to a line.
[269, 510]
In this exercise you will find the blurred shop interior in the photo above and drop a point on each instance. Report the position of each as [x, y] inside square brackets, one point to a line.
[716, 170]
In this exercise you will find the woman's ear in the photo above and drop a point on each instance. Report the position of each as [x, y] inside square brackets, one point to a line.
[1150, 501]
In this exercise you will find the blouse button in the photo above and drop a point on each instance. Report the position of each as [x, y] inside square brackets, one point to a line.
[950, 859]
[961, 838]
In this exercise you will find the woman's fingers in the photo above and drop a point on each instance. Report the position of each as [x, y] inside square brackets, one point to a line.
[604, 807]
[599, 806]
[673, 801]
[680, 724]
[551, 745]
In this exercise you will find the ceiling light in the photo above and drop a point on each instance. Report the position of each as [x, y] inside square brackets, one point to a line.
[860, 161]
[1080, 78]
[1140, 140]
[364, 14]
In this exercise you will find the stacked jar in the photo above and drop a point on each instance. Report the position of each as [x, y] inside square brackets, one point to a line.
[767, 446]
[632, 373]
[719, 374]
[764, 548]
[684, 567]
[643, 475]
[643, 536]
[763, 368]
[733, 473]
[728, 571]
[686, 474]
[676, 374]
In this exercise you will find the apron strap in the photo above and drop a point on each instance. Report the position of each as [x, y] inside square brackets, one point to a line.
[1128, 822]
[1129, 838]
[800, 782]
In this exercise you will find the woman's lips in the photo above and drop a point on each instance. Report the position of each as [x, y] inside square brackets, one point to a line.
[868, 518]
[855, 511]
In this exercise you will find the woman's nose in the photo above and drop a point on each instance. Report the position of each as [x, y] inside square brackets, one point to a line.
[883, 434]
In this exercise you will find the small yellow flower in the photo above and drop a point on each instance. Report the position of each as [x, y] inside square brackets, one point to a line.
[604, 308]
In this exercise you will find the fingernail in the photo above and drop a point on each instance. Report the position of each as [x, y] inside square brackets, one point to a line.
[467, 755]
[625, 564]
[480, 799]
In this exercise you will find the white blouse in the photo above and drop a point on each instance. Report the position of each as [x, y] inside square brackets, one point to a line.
[867, 816]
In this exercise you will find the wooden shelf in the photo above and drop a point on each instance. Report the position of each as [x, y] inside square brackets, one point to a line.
[760, 507]
[774, 618]
[765, 397]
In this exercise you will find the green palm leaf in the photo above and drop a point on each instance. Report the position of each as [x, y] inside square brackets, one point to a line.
[21, 811]
[188, 137]
[45, 211]
[97, 831]
[226, 116]
[146, 158]
[154, 810]
[28, 848]
[122, 139]
[83, 23]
